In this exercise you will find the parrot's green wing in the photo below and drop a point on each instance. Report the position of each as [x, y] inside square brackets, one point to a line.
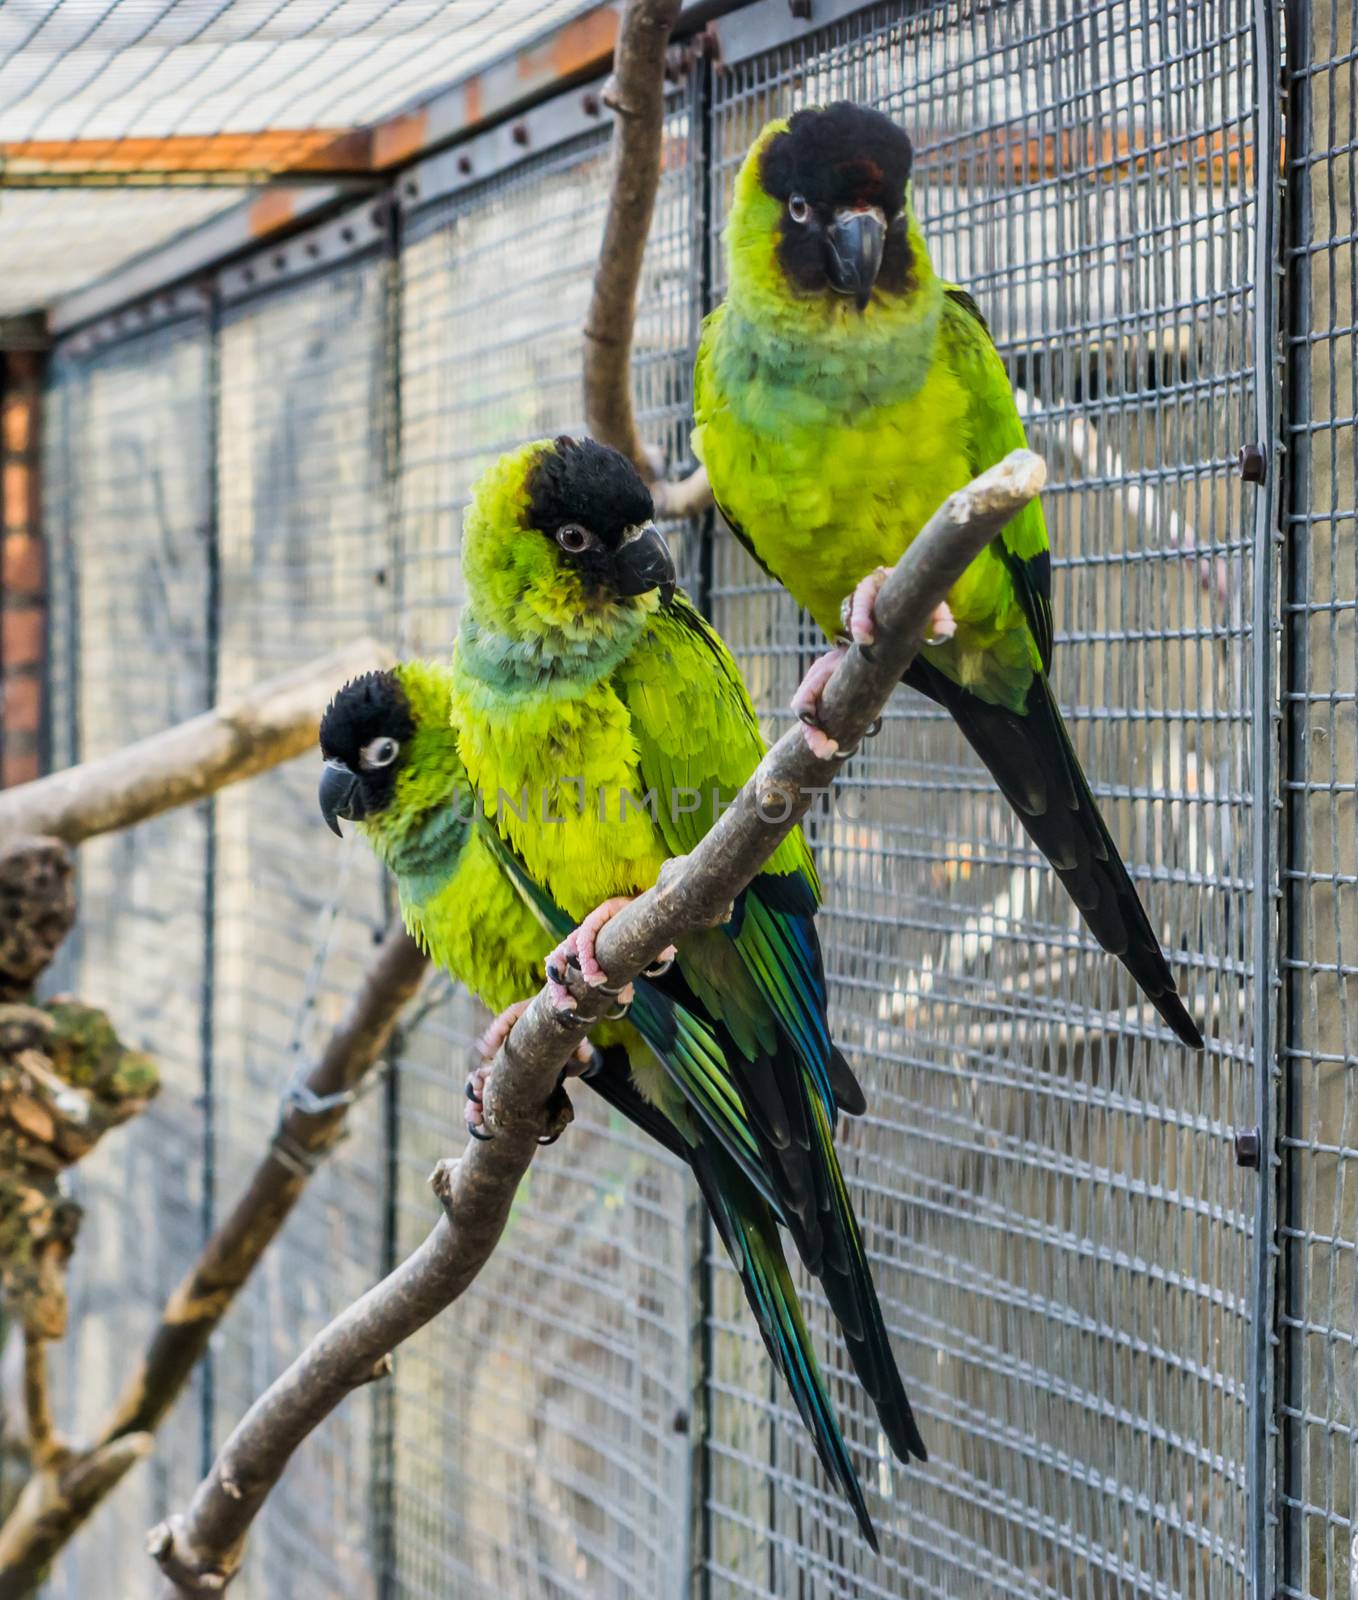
[706, 399]
[994, 429]
[704, 746]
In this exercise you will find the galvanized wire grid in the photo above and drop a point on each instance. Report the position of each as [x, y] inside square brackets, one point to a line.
[126, 520]
[541, 1425]
[1062, 1240]
[1318, 1309]
[303, 486]
[1059, 1231]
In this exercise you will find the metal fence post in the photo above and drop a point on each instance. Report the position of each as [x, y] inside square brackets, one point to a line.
[207, 1009]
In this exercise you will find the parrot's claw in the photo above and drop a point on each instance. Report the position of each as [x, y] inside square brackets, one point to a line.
[560, 1114]
[661, 965]
[557, 969]
[579, 947]
[806, 705]
[481, 1138]
[488, 1047]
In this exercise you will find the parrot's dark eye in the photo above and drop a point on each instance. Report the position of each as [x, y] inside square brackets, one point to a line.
[798, 209]
[573, 538]
[379, 753]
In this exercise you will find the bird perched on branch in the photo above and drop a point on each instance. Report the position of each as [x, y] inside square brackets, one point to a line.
[392, 767]
[842, 392]
[606, 724]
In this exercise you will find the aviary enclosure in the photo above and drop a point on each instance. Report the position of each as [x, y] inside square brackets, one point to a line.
[1120, 1278]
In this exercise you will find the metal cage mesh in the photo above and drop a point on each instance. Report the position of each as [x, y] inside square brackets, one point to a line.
[1057, 1225]
[1317, 1316]
[1068, 1253]
[127, 521]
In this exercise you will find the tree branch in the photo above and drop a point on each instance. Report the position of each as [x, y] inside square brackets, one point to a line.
[312, 1123]
[272, 722]
[59, 1499]
[200, 1552]
[37, 1402]
[636, 95]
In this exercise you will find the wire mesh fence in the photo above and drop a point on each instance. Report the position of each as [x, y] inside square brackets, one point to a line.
[1077, 1269]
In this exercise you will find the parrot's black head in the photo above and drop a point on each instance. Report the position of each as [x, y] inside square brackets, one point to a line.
[590, 502]
[840, 175]
[365, 732]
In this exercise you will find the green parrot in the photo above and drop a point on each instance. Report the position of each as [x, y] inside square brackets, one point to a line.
[841, 393]
[392, 767]
[605, 723]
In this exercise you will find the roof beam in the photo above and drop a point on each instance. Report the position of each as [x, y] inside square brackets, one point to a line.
[294, 154]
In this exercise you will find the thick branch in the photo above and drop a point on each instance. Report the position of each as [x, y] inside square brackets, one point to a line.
[37, 1402]
[637, 96]
[313, 1121]
[303, 1138]
[200, 1552]
[57, 1499]
[270, 723]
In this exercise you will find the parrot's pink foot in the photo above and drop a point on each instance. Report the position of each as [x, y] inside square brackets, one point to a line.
[487, 1048]
[806, 703]
[942, 625]
[578, 948]
[858, 613]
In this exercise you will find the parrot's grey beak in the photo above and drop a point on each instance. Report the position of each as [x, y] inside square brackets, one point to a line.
[643, 563]
[856, 240]
[339, 796]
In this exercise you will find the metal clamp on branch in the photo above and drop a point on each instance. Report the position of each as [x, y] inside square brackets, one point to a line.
[201, 1550]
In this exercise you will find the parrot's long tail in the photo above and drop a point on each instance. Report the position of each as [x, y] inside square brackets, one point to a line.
[1034, 763]
[841, 1263]
[752, 1240]
[749, 1231]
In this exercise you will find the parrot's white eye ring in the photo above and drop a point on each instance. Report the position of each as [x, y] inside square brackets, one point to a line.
[573, 538]
[797, 208]
[379, 752]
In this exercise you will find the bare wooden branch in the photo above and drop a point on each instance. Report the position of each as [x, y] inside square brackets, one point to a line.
[311, 1125]
[37, 1401]
[200, 1551]
[636, 95]
[686, 498]
[57, 1499]
[271, 723]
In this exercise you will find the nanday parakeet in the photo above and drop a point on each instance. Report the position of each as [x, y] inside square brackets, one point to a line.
[841, 393]
[393, 768]
[580, 678]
